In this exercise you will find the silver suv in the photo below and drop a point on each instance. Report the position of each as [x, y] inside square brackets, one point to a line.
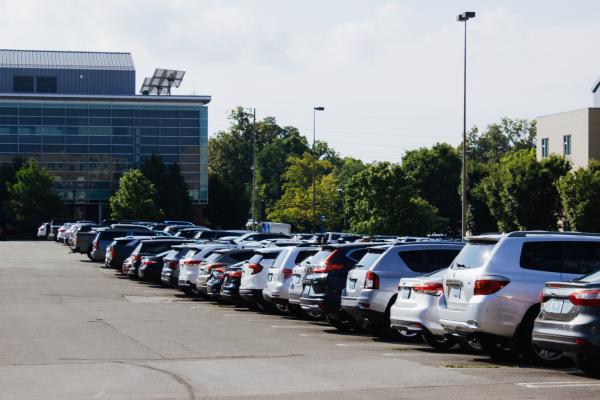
[372, 286]
[492, 289]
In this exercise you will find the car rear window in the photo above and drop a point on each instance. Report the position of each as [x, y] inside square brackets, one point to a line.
[578, 258]
[592, 278]
[303, 255]
[474, 255]
[320, 256]
[369, 258]
[428, 260]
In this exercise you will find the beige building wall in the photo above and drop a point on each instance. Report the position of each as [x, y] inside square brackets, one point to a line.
[575, 123]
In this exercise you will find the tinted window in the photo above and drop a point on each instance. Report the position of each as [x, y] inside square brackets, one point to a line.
[23, 84]
[595, 277]
[303, 255]
[357, 254]
[320, 257]
[428, 260]
[578, 258]
[241, 256]
[47, 84]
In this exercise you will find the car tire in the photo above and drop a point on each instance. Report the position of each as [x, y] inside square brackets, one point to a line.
[533, 353]
[438, 342]
[89, 254]
[342, 324]
[470, 345]
[282, 308]
[590, 366]
[496, 349]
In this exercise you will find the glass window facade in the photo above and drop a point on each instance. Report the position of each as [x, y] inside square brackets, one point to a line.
[87, 146]
[545, 147]
[567, 145]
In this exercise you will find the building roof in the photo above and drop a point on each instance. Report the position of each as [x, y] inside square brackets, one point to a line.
[158, 100]
[48, 59]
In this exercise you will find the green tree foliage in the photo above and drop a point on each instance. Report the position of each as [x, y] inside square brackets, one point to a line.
[383, 199]
[8, 175]
[172, 192]
[31, 197]
[436, 172]
[295, 205]
[135, 198]
[521, 192]
[580, 198]
[226, 205]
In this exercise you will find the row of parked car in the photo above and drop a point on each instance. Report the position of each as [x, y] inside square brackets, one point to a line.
[522, 295]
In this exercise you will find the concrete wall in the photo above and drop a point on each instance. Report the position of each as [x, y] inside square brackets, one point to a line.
[575, 123]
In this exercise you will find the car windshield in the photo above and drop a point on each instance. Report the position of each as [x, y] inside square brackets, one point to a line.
[591, 278]
[473, 255]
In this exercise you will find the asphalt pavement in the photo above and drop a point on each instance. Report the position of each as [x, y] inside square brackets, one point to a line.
[72, 330]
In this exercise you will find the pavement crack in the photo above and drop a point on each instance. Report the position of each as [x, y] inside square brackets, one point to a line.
[178, 378]
[131, 338]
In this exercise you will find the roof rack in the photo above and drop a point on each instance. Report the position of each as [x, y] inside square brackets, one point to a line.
[525, 233]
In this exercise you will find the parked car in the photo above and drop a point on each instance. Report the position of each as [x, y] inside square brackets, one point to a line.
[105, 237]
[569, 320]
[372, 286]
[189, 233]
[218, 259]
[173, 229]
[257, 237]
[170, 272]
[230, 288]
[121, 248]
[151, 267]
[279, 275]
[216, 234]
[416, 309]
[217, 278]
[149, 247]
[44, 230]
[322, 287]
[254, 276]
[492, 289]
[189, 263]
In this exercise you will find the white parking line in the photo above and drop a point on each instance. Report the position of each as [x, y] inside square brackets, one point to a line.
[290, 326]
[543, 385]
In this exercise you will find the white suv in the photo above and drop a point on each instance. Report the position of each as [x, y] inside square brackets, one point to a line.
[492, 289]
[279, 276]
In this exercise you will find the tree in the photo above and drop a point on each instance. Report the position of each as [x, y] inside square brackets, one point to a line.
[172, 192]
[521, 191]
[436, 172]
[383, 199]
[580, 198]
[226, 206]
[295, 205]
[31, 198]
[135, 198]
[8, 175]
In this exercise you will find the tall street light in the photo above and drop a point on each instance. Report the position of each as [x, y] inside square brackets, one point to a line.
[464, 17]
[314, 188]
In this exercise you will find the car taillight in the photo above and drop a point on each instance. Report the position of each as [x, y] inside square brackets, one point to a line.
[256, 268]
[137, 257]
[585, 298]
[371, 280]
[173, 264]
[191, 262]
[485, 285]
[285, 273]
[431, 288]
[212, 266]
[113, 252]
[234, 274]
[150, 262]
[96, 245]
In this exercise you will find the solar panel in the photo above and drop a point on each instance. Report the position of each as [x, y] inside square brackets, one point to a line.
[162, 81]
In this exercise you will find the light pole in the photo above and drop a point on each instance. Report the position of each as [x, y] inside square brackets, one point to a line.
[253, 168]
[464, 17]
[314, 188]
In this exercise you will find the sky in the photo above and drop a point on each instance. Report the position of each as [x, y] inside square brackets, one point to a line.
[389, 73]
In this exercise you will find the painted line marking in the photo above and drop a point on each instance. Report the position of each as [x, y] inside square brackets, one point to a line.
[543, 385]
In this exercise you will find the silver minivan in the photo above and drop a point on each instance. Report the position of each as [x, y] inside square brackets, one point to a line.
[372, 286]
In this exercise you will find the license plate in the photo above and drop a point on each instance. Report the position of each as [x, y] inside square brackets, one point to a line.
[352, 284]
[270, 277]
[306, 289]
[554, 306]
[454, 293]
[296, 279]
[405, 293]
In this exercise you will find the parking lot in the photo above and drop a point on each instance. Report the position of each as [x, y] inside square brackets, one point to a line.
[71, 330]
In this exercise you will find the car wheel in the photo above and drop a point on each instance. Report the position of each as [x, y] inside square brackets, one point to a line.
[342, 324]
[496, 349]
[438, 342]
[471, 345]
[89, 254]
[591, 366]
[536, 354]
[282, 308]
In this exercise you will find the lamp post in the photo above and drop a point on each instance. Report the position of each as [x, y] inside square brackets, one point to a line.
[254, 168]
[314, 188]
[464, 17]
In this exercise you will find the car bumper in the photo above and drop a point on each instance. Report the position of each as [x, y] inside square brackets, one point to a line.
[251, 295]
[568, 337]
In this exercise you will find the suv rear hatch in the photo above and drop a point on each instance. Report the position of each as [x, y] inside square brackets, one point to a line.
[460, 279]
[355, 282]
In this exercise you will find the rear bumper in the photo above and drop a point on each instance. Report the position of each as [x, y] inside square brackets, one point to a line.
[320, 303]
[252, 295]
[567, 337]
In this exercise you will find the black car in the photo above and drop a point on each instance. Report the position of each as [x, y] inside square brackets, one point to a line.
[120, 249]
[230, 288]
[150, 247]
[569, 321]
[323, 285]
[151, 267]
